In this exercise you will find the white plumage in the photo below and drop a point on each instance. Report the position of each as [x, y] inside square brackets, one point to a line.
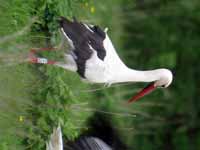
[111, 69]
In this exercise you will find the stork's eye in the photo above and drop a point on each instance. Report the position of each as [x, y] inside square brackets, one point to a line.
[162, 86]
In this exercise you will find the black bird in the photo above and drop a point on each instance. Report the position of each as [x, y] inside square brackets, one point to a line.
[100, 136]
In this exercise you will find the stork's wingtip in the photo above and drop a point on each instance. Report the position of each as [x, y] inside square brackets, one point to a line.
[74, 19]
[63, 20]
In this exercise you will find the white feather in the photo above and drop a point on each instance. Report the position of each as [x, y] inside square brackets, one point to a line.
[55, 142]
[106, 30]
[88, 28]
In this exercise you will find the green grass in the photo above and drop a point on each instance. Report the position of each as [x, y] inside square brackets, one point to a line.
[14, 100]
[35, 98]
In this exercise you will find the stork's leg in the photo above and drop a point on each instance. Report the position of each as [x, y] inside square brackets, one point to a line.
[34, 50]
[70, 64]
[40, 60]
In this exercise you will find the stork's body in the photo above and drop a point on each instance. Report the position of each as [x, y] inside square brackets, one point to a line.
[94, 57]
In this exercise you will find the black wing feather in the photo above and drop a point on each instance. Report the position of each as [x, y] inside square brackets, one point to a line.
[82, 37]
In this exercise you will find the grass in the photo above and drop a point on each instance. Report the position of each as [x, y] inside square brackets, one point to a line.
[35, 98]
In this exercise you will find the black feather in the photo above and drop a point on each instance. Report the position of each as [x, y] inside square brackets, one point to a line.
[82, 37]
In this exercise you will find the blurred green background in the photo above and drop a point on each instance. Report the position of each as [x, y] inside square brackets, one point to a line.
[147, 34]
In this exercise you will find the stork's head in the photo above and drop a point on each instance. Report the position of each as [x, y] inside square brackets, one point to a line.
[164, 81]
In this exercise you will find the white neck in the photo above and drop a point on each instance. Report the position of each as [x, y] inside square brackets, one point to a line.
[130, 75]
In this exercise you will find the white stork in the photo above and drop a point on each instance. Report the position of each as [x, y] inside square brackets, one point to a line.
[93, 56]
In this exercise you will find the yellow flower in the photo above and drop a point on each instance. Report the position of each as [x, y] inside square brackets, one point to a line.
[86, 4]
[21, 118]
[92, 9]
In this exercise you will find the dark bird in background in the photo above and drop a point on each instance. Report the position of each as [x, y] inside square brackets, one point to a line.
[100, 136]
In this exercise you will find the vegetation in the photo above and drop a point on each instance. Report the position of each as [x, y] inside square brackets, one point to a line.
[147, 34]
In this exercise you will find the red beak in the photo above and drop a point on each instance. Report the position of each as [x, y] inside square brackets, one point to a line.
[148, 89]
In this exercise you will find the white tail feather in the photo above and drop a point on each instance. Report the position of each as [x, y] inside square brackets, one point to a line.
[55, 142]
